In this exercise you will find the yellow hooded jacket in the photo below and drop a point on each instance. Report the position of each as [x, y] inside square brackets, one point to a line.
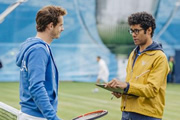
[147, 82]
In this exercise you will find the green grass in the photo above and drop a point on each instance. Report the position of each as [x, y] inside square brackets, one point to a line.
[76, 98]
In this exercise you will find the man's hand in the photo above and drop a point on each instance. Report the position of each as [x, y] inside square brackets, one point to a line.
[117, 95]
[116, 84]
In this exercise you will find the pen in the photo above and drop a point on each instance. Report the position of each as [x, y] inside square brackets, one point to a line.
[112, 97]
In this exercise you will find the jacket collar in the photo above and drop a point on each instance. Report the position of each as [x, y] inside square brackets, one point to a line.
[153, 48]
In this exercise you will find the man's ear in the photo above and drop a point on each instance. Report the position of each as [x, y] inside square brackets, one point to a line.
[149, 31]
[50, 26]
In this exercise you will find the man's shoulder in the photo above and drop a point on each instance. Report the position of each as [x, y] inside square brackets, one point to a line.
[38, 48]
[156, 53]
[160, 53]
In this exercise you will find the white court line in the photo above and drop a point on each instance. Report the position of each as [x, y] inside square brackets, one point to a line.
[82, 105]
[113, 102]
[92, 100]
[89, 99]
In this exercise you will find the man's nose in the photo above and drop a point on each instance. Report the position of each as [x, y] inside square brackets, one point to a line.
[133, 34]
[62, 29]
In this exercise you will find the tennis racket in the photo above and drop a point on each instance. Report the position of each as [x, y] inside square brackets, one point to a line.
[92, 115]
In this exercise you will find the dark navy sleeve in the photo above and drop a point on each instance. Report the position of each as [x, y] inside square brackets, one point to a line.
[127, 88]
[37, 62]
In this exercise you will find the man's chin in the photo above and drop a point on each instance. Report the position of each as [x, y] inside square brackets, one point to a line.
[136, 43]
[56, 37]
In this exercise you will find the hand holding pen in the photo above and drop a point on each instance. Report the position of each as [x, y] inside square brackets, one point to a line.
[116, 94]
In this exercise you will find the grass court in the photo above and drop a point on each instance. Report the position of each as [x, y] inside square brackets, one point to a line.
[76, 98]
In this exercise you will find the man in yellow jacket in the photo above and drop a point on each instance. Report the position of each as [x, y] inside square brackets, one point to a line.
[147, 71]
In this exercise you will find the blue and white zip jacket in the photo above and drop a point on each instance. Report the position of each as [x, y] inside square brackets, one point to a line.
[38, 79]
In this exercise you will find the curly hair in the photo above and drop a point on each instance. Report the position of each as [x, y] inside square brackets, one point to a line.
[47, 15]
[145, 20]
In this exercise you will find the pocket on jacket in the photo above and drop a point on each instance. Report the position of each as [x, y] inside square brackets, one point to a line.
[149, 103]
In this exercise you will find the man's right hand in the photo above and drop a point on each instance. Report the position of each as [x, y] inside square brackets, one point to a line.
[117, 95]
[114, 83]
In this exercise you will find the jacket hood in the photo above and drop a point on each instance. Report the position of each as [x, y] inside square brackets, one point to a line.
[153, 46]
[25, 46]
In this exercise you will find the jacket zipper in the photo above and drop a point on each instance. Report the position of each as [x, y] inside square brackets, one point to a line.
[125, 102]
[127, 95]
[130, 80]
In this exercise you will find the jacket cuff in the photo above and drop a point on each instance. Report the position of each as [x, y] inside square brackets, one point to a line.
[127, 88]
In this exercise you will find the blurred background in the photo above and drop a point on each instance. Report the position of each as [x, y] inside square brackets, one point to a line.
[92, 28]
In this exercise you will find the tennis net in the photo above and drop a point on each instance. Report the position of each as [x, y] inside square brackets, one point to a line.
[7, 112]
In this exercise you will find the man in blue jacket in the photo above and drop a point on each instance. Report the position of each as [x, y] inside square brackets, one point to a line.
[38, 71]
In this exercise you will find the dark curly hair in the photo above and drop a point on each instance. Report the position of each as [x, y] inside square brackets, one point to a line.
[145, 20]
[47, 15]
